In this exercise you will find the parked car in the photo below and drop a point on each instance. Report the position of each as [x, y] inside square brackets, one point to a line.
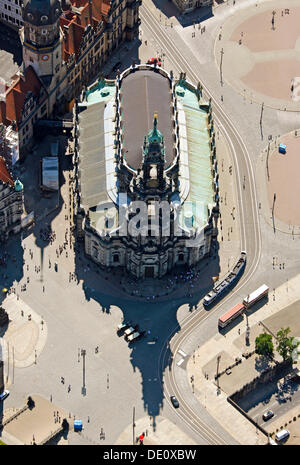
[267, 415]
[130, 330]
[174, 401]
[282, 435]
[4, 395]
[122, 326]
[135, 336]
[152, 61]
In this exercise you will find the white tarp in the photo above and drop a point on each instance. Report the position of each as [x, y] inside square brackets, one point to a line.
[50, 173]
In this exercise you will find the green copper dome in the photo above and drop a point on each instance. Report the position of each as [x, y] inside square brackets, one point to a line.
[155, 136]
[18, 186]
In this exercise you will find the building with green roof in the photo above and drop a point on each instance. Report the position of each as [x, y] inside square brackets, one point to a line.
[146, 172]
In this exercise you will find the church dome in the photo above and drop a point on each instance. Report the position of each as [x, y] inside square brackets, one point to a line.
[18, 186]
[41, 12]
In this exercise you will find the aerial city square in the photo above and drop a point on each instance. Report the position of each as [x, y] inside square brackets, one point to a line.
[149, 223]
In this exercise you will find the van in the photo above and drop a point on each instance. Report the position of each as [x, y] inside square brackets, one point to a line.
[283, 434]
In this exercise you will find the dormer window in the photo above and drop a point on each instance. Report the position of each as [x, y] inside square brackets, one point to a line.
[30, 16]
[44, 18]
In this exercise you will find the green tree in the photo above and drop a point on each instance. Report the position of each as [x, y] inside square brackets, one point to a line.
[286, 345]
[264, 345]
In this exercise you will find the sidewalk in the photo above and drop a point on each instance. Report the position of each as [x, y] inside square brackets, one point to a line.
[228, 226]
[166, 433]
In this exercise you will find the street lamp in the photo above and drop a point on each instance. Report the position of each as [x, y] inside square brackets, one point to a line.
[273, 19]
[260, 121]
[221, 63]
[267, 161]
[133, 426]
[83, 354]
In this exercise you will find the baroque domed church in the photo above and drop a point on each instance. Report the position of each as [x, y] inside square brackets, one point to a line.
[146, 172]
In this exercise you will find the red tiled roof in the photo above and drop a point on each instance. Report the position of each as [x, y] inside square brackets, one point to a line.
[105, 6]
[4, 173]
[77, 22]
[16, 94]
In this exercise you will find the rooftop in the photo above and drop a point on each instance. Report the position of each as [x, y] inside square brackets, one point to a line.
[143, 94]
[15, 95]
[201, 191]
[4, 173]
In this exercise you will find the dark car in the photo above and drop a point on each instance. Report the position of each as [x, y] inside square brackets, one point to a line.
[4, 394]
[174, 401]
[267, 415]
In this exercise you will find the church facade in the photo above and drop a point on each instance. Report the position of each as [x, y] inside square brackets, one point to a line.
[146, 172]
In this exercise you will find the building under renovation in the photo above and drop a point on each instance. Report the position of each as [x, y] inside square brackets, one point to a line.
[146, 172]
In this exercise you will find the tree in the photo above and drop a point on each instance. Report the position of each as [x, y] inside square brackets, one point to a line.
[264, 345]
[286, 345]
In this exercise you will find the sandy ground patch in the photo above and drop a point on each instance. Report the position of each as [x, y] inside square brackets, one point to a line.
[285, 168]
[273, 78]
[257, 33]
[36, 424]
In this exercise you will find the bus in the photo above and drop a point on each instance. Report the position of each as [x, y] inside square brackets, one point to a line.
[256, 295]
[233, 313]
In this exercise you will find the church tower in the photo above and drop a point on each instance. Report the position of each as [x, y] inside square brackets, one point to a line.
[41, 39]
[154, 159]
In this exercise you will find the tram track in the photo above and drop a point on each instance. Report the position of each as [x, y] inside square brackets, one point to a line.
[250, 235]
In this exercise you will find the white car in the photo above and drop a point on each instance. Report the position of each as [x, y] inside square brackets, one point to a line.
[4, 395]
[129, 331]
